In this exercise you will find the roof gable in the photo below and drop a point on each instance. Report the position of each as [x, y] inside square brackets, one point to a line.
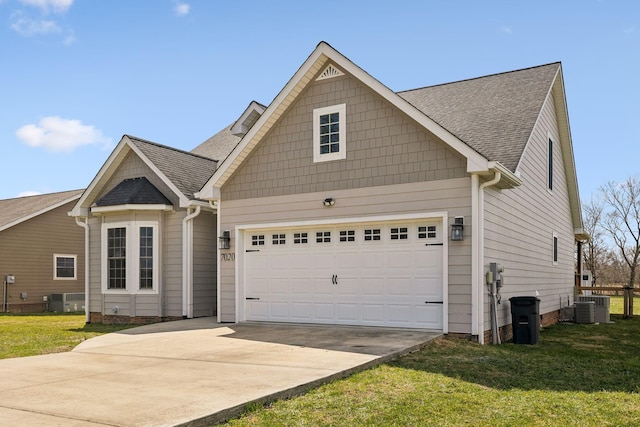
[183, 172]
[17, 210]
[313, 66]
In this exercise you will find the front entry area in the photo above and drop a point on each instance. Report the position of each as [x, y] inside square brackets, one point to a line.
[386, 273]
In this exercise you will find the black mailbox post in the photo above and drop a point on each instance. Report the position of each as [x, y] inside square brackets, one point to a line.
[525, 319]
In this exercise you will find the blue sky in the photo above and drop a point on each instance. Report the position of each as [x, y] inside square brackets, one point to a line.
[76, 75]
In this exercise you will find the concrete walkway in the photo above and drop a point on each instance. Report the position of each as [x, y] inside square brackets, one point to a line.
[194, 372]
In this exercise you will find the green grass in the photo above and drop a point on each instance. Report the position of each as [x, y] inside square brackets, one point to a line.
[616, 304]
[579, 375]
[33, 334]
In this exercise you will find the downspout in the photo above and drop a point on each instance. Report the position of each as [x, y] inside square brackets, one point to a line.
[480, 264]
[187, 263]
[85, 225]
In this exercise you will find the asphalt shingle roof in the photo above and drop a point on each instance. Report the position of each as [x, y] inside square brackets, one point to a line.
[187, 171]
[12, 210]
[219, 146]
[494, 114]
[137, 191]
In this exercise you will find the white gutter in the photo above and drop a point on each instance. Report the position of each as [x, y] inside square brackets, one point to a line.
[477, 262]
[85, 225]
[187, 262]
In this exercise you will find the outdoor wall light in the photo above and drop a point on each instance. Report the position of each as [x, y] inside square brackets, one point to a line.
[224, 241]
[457, 229]
[328, 202]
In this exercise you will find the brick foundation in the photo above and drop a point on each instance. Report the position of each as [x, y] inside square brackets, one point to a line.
[39, 307]
[126, 320]
[506, 332]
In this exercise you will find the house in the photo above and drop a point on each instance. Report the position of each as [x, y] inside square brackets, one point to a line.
[41, 251]
[343, 202]
[152, 244]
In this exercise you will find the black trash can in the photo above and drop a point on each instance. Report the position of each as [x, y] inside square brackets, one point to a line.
[525, 319]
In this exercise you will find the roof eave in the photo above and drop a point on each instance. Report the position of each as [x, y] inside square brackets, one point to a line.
[40, 212]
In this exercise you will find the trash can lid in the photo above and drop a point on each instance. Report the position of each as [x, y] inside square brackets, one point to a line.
[524, 300]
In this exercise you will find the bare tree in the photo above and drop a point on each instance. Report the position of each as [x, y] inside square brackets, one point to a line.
[622, 223]
[595, 255]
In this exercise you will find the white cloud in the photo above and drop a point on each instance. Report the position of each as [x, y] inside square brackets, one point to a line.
[58, 134]
[28, 27]
[46, 6]
[182, 9]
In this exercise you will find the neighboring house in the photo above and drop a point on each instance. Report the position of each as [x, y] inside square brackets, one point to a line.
[42, 249]
[337, 202]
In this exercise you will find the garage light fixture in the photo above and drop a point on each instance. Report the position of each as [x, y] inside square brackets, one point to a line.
[457, 229]
[329, 202]
[224, 241]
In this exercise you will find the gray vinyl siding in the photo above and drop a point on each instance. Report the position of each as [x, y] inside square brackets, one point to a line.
[452, 196]
[519, 225]
[172, 264]
[27, 250]
[384, 147]
[168, 301]
[95, 267]
[204, 265]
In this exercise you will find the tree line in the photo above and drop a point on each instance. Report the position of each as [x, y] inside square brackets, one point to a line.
[612, 219]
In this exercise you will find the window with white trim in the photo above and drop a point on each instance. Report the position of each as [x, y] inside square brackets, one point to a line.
[300, 238]
[279, 239]
[399, 233]
[323, 237]
[347, 235]
[329, 133]
[555, 249]
[550, 165]
[427, 232]
[64, 267]
[130, 257]
[372, 234]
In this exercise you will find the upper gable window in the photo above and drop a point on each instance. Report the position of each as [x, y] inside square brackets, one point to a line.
[329, 133]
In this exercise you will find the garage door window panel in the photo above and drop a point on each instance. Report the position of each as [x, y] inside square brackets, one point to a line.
[372, 234]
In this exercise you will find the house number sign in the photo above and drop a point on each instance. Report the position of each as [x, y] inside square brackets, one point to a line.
[228, 257]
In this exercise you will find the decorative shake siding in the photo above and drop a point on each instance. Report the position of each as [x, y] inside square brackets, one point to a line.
[519, 226]
[453, 196]
[27, 250]
[384, 147]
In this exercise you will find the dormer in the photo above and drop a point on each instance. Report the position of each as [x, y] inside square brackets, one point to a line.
[247, 119]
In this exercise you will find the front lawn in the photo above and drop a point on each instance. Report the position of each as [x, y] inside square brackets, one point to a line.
[579, 375]
[32, 334]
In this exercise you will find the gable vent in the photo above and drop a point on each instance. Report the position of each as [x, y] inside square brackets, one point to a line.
[329, 72]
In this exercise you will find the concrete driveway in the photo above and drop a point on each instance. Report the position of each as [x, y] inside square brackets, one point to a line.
[194, 372]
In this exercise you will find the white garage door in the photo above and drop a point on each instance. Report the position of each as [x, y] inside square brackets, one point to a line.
[377, 274]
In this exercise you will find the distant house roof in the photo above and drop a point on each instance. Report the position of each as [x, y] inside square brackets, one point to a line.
[187, 171]
[494, 114]
[134, 191]
[20, 209]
